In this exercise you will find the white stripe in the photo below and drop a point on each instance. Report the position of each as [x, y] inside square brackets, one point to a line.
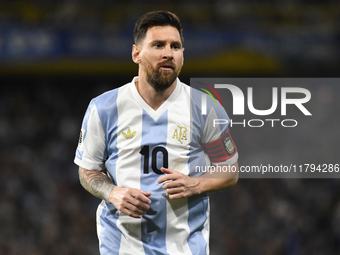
[130, 242]
[178, 143]
[99, 225]
[94, 143]
[128, 167]
[178, 231]
[211, 133]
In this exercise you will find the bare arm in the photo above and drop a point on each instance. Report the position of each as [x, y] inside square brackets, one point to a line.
[97, 183]
[132, 202]
[218, 181]
[184, 186]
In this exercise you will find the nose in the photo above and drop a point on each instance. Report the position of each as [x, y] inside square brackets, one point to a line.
[167, 52]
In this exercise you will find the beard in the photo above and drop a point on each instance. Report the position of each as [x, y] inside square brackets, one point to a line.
[160, 79]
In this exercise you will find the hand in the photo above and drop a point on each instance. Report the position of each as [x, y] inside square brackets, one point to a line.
[178, 185]
[132, 202]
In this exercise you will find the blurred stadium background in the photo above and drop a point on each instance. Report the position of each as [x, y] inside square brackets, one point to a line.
[56, 55]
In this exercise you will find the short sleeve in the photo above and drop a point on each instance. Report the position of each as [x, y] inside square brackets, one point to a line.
[216, 138]
[91, 144]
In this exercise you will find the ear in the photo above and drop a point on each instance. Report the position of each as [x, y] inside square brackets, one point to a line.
[136, 53]
[182, 57]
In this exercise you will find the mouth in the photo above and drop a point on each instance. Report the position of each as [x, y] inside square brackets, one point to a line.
[166, 67]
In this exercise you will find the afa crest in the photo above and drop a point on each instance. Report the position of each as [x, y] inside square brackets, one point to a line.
[228, 143]
[180, 133]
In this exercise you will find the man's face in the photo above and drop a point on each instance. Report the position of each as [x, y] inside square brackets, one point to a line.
[161, 56]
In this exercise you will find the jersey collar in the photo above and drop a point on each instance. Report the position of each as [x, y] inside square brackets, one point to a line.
[155, 114]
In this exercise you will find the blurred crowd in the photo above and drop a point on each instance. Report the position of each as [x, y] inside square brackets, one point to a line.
[44, 209]
[300, 36]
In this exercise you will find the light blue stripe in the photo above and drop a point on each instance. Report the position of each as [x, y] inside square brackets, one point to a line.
[110, 235]
[154, 222]
[108, 114]
[197, 122]
[198, 206]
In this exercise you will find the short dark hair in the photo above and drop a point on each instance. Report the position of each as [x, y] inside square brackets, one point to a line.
[155, 18]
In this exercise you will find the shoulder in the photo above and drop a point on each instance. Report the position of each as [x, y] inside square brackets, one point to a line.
[108, 99]
[204, 102]
[196, 95]
[105, 99]
[105, 105]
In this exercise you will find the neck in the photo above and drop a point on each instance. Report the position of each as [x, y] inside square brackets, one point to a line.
[152, 97]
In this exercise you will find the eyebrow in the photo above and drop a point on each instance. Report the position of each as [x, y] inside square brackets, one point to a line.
[163, 41]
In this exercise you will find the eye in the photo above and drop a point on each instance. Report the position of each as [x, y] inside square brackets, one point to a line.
[176, 46]
[158, 45]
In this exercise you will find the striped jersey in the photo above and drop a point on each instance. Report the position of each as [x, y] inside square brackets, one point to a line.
[124, 135]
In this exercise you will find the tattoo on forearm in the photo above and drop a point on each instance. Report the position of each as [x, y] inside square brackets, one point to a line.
[96, 183]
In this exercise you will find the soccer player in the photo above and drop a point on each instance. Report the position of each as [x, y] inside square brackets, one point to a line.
[140, 147]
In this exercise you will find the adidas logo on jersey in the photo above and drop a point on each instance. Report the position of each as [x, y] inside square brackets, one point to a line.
[128, 134]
